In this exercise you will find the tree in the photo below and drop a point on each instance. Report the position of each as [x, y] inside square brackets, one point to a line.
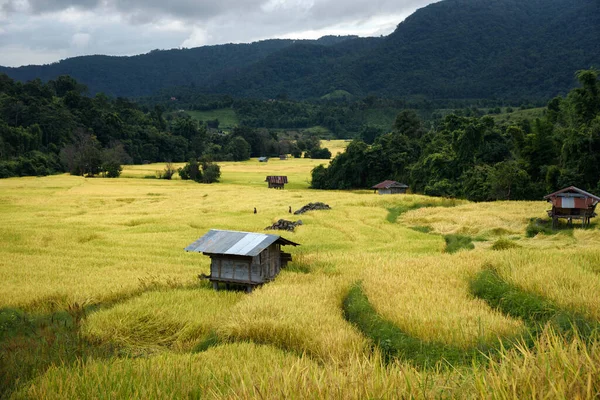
[84, 156]
[210, 172]
[191, 171]
[239, 149]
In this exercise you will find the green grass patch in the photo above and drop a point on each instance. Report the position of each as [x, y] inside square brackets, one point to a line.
[455, 243]
[337, 94]
[396, 344]
[30, 344]
[517, 115]
[395, 212]
[504, 244]
[226, 116]
[544, 226]
[535, 311]
[422, 229]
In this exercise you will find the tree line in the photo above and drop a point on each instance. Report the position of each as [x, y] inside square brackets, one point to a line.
[478, 159]
[54, 127]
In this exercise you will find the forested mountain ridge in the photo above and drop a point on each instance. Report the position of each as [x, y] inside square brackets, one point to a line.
[453, 49]
[148, 73]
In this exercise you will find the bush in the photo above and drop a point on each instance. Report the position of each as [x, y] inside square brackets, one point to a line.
[111, 169]
[211, 172]
[320, 154]
[166, 173]
[191, 171]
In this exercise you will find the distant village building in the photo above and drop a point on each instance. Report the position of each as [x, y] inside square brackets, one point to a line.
[242, 258]
[390, 187]
[572, 203]
[283, 156]
[263, 159]
[276, 182]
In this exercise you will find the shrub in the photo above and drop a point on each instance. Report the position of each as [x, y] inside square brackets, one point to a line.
[211, 172]
[111, 169]
[191, 171]
[167, 173]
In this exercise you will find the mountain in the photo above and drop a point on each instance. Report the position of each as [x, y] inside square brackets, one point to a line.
[453, 49]
[142, 75]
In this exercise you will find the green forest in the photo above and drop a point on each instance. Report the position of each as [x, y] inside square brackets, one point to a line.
[53, 127]
[519, 51]
[478, 159]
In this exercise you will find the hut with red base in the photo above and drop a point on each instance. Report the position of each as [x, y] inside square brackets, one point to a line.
[572, 203]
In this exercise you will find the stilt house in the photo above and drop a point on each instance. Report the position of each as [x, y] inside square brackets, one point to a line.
[390, 187]
[242, 258]
[572, 203]
[276, 182]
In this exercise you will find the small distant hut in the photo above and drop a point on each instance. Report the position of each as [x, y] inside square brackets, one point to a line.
[276, 182]
[390, 187]
[242, 258]
[283, 156]
[263, 159]
[572, 203]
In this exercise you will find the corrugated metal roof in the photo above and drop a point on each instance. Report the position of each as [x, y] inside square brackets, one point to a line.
[277, 179]
[572, 189]
[235, 243]
[389, 184]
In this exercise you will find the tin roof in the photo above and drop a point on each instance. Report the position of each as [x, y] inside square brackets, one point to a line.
[389, 184]
[277, 179]
[571, 189]
[235, 243]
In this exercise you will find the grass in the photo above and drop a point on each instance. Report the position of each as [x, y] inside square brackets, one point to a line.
[455, 243]
[396, 344]
[504, 244]
[396, 211]
[517, 115]
[99, 298]
[226, 116]
[535, 310]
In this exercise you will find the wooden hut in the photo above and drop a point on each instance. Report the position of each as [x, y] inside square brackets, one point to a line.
[572, 203]
[283, 156]
[276, 182]
[263, 159]
[390, 187]
[242, 258]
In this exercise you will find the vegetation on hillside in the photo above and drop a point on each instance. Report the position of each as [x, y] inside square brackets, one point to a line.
[453, 49]
[52, 127]
[477, 159]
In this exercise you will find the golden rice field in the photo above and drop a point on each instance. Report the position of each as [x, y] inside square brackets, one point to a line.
[109, 252]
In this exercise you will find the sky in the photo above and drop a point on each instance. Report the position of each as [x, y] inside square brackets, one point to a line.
[46, 31]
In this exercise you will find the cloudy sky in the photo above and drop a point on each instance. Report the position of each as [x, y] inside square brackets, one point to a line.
[45, 31]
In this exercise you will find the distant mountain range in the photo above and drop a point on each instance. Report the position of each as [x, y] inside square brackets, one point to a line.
[454, 49]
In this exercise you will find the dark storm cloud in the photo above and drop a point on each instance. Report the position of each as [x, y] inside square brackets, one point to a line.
[32, 31]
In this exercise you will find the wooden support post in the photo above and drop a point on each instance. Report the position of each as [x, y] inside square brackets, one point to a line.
[249, 289]
[216, 286]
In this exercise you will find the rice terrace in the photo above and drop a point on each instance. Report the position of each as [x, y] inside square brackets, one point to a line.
[308, 199]
[100, 300]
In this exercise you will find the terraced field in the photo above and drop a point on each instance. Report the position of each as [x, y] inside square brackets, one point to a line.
[99, 300]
